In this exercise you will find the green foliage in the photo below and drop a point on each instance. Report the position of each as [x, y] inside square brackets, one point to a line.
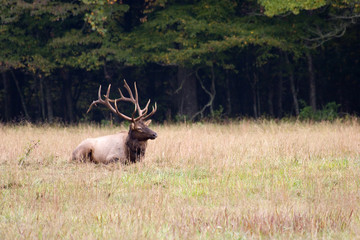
[276, 7]
[45, 36]
[31, 34]
[328, 113]
[180, 118]
[173, 33]
[218, 114]
[105, 122]
[102, 11]
[201, 34]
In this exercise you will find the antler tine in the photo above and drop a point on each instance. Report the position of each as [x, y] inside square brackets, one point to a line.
[137, 99]
[101, 101]
[143, 111]
[107, 92]
[122, 115]
[107, 103]
[127, 99]
[95, 102]
[154, 109]
[123, 98]
[146, 107]
[133, 114]
[136, 103]
[129, 90]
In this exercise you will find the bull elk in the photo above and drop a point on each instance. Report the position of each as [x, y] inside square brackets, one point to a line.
[124, 146]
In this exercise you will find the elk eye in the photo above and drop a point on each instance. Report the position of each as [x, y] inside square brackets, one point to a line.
[139, 129]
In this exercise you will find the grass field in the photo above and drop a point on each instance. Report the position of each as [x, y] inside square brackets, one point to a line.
[243, 180]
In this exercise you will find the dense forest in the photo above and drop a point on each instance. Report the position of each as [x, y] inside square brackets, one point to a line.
[198, 59]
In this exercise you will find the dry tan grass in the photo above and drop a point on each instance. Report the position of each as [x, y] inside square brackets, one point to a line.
[202, 181]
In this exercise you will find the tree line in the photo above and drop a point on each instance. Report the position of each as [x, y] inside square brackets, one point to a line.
[196, 58]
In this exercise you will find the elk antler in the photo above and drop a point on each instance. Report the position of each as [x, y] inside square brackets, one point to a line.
[107, 102]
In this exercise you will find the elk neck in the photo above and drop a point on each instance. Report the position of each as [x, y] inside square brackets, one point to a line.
[136, 148]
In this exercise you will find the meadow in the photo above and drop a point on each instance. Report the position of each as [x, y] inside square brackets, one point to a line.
[241, 180]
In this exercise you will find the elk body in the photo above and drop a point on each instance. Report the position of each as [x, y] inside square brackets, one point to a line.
[124, 146]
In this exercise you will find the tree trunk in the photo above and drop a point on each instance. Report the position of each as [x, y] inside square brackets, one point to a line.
[280, 95]
[7, 97]
[253, 83]
[254, 94]
[292, 85]
[228, 95]
[42, 98]
[27, 117]
[258, 98]
[312, 83]
[187, 103]
[270, 99]
[50, 114]
[67, 97]
[211, 93]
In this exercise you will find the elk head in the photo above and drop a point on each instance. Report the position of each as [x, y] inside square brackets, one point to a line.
[139, 126]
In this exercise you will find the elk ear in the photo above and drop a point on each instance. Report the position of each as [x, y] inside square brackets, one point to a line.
[147, 123]
[132, 126]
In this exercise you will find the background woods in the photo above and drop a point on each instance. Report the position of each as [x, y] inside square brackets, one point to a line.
[196, 59]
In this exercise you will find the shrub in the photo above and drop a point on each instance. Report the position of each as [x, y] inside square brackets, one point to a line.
[328, 113]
